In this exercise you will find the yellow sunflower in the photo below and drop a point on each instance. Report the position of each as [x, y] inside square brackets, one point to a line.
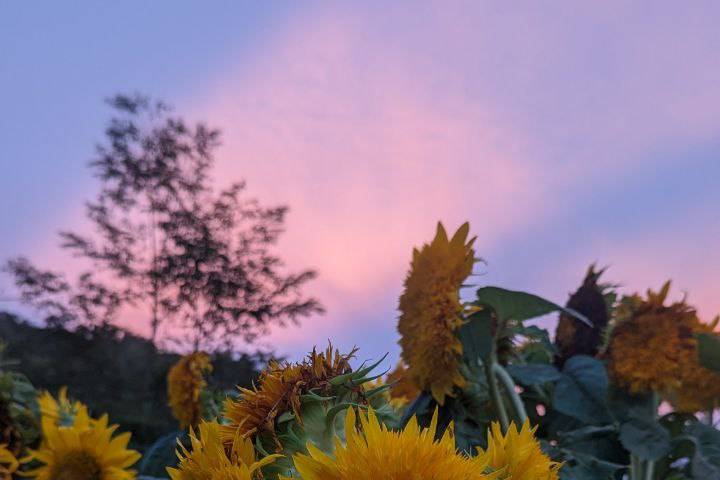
[699, 388]
[403, 390]
[84, 451]
[60, 411]
[209, 459]
[379, 453]
[279, 390]
[651, 344]
[430, 312]
[8, 463]
[517, 455]
[185, 383]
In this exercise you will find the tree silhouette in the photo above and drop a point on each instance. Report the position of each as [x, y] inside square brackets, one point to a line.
[166, 240]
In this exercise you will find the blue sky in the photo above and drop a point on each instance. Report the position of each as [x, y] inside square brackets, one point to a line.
[564, 133]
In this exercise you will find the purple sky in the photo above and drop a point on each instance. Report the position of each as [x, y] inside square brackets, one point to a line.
[565, 132]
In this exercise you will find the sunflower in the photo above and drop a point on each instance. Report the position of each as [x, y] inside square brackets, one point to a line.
[403, 390]
[86, 450]
[186, 382]
[8, 463]
[376, 452]
[208, 458]
[573, 337]
[651, 344]
[517, 454]
[60, 411]
[699, 388]
[279, 390]
[430, 312]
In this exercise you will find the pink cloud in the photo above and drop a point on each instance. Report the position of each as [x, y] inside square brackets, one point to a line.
[368, 162]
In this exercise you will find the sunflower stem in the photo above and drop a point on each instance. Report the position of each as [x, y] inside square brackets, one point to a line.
[635, 468]
[495, 396]
[650, 464]
[507, 381]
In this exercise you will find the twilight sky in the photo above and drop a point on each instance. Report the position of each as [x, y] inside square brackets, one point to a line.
[565, 132]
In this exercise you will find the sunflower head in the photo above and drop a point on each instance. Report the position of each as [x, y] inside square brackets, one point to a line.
[374, 451]
[210, 458]
[186, 381]
[430, 312]
[699, 388]
[402, 389]
[294, 403]
[60, 411]
[575, 338]
[8, 463]
[85, 450]
[651, 343]
[517, 454]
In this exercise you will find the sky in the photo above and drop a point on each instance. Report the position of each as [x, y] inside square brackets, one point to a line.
[565, 133]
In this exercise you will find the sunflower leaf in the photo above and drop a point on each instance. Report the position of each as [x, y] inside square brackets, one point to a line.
[520, 306]
[581, 391]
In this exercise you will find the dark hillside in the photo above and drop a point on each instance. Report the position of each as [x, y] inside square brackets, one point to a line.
[111, 371]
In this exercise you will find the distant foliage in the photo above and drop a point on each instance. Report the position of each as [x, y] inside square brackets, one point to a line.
[112, 371]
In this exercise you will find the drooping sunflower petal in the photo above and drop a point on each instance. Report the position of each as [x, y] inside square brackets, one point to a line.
[8, 463]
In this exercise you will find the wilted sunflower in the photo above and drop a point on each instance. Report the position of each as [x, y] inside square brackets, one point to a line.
[517, 454]
[378, 453]
[185, 383]
[8, 463]
[650, 343]
[403, 390]
[430, 312]
[279, 390]
[699, 388]
[576, 338]
[84, 451]
[209, 459]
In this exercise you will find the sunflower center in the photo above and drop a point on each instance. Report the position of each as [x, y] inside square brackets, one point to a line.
[77, 465]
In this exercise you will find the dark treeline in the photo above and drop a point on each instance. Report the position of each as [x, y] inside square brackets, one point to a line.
[112, 371]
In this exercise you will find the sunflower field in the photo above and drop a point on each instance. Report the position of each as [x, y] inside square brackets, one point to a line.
[624, 388]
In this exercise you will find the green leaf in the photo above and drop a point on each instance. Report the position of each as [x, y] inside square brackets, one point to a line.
[534, 373]
[709, 350]
[581, 391]
[510, 304]
[623, 405]
[476, 336]
[646, 439]
[705, 463]
[587, 467]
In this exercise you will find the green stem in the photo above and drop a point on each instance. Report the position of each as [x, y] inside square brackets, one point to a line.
[507, 381]
[649, 470]
[495, 397]
[650, 464]
[635, 468]
[709, 417]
